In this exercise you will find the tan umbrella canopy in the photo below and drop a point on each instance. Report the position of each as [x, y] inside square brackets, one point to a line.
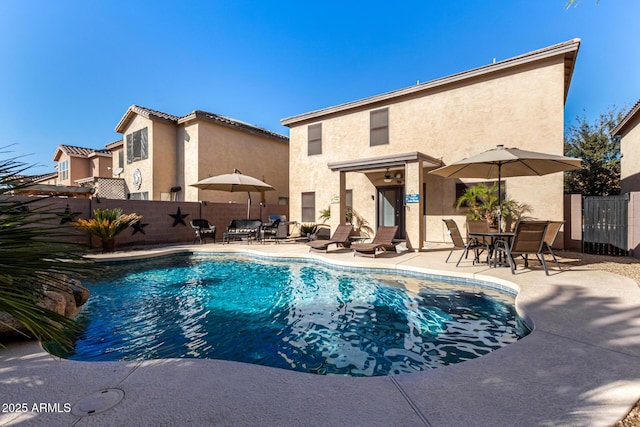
[233, 182]
[507, 162]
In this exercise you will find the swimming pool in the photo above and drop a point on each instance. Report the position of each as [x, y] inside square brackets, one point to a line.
[301, 316]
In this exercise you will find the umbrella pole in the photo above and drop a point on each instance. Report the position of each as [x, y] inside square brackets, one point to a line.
[248, 205]
[499, 198]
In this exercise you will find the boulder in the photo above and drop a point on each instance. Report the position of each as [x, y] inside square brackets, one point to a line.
[66, 300]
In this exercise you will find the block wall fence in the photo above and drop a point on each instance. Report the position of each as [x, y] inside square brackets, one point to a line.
[160, 219]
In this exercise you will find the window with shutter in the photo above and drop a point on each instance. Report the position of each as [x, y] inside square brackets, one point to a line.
[137, 146]
[379, 126]
[309, 207]
[315, 139]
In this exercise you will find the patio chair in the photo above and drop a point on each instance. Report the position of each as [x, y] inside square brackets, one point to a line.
[459, 243]
[528, 240]
[382, 242]
[340, 238]
[550, 236]
[203, 230]
[480, 226]
[269, 229]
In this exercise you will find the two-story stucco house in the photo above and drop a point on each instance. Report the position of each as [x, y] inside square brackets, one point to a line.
[78, 163]
[629, 132]
[374, 154]
[160, 155]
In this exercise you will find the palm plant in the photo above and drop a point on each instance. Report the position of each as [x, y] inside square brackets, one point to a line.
[360, 224]
[35, 258]
[308, 229]
[325, 214]
[514, 211]
[482, 202]
[107, 224]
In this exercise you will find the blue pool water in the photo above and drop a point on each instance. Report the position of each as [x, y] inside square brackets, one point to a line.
[300, 316]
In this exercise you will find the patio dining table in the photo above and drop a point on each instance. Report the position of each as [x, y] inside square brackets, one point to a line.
[493, 237]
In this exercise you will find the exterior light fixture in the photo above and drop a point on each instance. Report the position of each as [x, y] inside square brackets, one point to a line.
[387, 176]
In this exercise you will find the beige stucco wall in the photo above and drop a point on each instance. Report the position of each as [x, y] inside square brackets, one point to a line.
[518, 108]
[214, 150]
[78, 168]
[630, 162]
[163, 152]
[100, 166]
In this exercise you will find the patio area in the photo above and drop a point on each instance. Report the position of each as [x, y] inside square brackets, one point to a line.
[580, 366]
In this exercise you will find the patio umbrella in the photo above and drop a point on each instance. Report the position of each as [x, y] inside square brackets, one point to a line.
[232, 182]
[507, 162]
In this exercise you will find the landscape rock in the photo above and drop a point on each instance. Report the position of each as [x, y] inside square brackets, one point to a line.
[66, 300]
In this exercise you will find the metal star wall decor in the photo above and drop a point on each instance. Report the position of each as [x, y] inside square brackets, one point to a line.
[178, 218]
[67, 215]
[138, 227]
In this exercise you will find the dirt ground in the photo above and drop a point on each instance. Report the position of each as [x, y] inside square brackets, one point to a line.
[624, 266]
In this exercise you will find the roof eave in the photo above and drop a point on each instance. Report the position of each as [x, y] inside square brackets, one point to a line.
[233, 124]
[618, 130]
[134, 110]
[569, 49]
[363, 165]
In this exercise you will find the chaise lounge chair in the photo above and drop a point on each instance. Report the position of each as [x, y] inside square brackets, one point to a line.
[382, 241]
[340, 238]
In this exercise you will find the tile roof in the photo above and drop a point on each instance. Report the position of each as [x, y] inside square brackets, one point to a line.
[634, 111]
[232, 123]
[73, 150]
[196, 114]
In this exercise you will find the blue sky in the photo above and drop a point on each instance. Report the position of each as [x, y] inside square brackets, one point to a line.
[70, 69]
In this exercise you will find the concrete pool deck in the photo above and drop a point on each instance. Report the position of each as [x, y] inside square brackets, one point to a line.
[579, 367]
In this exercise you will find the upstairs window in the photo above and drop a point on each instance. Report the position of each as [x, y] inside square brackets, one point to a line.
[137, 146]
[379, 127]
[315, 139]
[63, 172]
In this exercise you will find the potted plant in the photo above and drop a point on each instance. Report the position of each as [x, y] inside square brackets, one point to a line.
[107, 224]
[309, 230]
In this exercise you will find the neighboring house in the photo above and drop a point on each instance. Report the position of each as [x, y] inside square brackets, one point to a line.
[50, 178]
[374, 154]
[78, 163]
[629, 132]
[80, 172]
[160, 155]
